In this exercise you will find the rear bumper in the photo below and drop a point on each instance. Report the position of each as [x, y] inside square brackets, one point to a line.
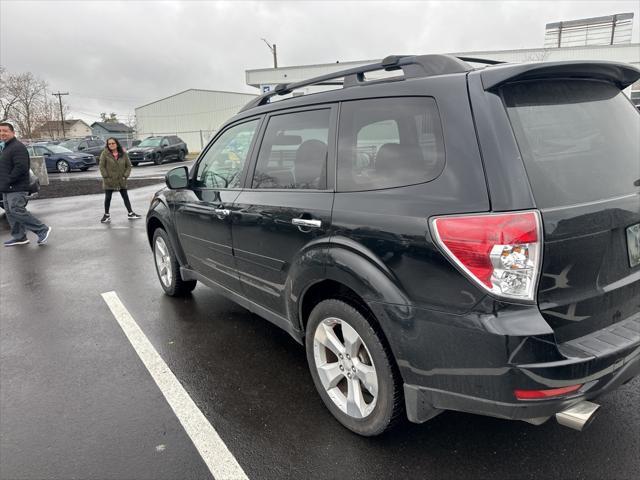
[423, 403]
[475, 362]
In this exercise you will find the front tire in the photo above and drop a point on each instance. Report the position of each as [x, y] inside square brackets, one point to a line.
[135, 164]
[168, 268]
[352, 369]
[181, 155]
[62, 166]
[158, 160]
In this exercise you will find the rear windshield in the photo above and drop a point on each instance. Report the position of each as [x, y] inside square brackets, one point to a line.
[580, 139]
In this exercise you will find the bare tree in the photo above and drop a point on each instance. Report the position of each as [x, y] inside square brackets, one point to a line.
[28, 91]
[111, 118]
[8, 98]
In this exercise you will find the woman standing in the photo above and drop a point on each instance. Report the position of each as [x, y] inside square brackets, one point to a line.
[115, 168]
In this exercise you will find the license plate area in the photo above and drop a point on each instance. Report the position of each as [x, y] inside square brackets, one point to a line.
[633, 244]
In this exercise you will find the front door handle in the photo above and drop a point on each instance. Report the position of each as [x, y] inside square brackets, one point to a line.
[303, 222]
[222, 212]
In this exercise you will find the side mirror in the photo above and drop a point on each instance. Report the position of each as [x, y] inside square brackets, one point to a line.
[177, 178]
[46, 154]
[81, 147]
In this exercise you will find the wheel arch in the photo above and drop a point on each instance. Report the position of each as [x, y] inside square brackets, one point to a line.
[159, 218]
[356, 276]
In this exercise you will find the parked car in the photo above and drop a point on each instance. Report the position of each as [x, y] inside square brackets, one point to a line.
[85, 145]
[452, 238]
[60, 159]
[158, 150]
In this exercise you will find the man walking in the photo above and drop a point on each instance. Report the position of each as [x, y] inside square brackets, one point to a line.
[14, 186]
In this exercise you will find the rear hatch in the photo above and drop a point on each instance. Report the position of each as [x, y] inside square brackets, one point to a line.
[580, 143]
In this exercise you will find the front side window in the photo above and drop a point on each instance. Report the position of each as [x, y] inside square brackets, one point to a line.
[223, 162]
[293, 153]
[389, 142]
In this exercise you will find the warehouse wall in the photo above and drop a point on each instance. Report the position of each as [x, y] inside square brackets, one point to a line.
[193, 115]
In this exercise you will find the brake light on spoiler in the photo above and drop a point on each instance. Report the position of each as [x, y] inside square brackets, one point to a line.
[501, 253]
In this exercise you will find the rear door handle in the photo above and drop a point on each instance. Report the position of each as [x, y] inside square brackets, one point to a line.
[303, 222]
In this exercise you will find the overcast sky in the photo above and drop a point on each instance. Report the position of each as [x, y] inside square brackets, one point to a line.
[113, 56]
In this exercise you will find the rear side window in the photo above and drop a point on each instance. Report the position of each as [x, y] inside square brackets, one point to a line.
[389, 142]
[580, 139]
[293, 153]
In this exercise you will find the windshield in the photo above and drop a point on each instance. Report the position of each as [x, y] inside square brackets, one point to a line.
[70, 144]
[150, 142]
[58, 149]
[579, 139]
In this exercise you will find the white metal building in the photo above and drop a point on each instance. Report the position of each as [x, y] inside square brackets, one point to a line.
[194, 115]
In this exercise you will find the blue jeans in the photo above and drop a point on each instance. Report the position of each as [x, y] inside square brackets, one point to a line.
[20, 220]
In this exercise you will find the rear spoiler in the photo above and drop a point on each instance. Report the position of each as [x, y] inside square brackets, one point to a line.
[621, 74]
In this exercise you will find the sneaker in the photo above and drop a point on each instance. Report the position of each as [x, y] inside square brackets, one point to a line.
[133, 216]
[16, 241]
[44, 236]
[106, 218]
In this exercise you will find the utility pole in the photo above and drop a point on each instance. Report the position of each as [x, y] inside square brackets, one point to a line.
[59, 95]
[274, 51]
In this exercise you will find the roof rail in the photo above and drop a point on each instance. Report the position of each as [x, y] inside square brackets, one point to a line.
[413, 66]
[484, 61]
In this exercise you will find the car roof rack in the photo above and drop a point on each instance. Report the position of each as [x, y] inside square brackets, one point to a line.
[413, 66]
[484, 61]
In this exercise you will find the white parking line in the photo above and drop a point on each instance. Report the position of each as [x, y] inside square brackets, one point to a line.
[212, 449]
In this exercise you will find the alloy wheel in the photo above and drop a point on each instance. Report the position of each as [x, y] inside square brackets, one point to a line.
[62, 166]
[163, 262]
[345, 367]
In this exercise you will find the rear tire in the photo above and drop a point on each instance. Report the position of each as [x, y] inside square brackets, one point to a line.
[168, 268]
[353, 369]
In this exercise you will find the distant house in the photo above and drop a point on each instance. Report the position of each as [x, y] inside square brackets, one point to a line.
[53, 129]
[112, 129]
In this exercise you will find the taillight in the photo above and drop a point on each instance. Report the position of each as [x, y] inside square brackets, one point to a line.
[500, 252]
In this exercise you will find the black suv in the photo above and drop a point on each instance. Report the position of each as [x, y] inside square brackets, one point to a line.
[93, 146]
[158, 150]
[448, 238]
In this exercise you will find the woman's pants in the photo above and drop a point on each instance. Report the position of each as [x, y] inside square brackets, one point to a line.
[125, 197]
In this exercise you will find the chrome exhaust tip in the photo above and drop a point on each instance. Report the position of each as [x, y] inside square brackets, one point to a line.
[578, 416]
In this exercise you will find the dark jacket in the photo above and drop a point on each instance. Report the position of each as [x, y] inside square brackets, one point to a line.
[114, 172]
[14, 167]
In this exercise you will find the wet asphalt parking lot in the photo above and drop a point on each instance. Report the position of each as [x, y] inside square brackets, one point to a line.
[77, 402]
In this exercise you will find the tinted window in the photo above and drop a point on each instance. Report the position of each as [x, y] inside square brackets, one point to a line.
[223, 162]
[580, 140]
[293, 153]
[95, 143]
[390, 142]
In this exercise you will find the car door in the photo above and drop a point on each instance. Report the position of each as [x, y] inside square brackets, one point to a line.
[45, 153]
[95, 147]
[287, 203]
[165, 146]
[203, 213]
